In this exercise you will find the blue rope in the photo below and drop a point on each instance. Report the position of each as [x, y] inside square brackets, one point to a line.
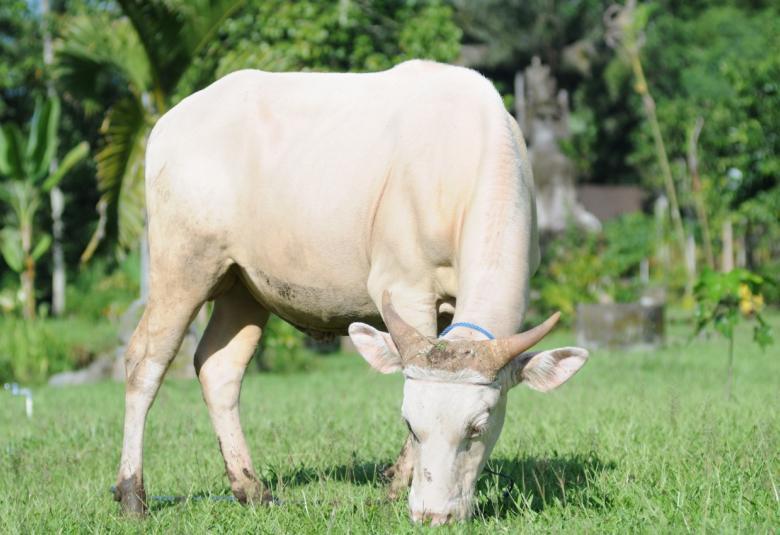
[470, 326]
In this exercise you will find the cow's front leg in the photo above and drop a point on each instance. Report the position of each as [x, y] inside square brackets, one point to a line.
[400, 474]
[220, 360]
[151, 349]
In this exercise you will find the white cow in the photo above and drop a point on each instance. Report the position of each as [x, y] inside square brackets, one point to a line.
[309, 196]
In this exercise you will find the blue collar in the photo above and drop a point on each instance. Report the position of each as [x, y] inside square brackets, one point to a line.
[470, 326]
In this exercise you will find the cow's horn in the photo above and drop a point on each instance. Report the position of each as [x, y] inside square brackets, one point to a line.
[404, 335]
[505, 349]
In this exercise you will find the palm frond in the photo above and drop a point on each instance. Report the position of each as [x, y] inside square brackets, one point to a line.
[22, 199]
[120, 167]
[11, 248]
[11, 151]
[73, 157]
[42, 140]
[97, 46]
[173, 32]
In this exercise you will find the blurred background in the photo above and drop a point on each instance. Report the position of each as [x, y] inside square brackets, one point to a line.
[652, 128]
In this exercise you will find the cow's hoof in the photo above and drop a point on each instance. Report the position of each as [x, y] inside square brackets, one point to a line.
[255, 495]
[131, 496]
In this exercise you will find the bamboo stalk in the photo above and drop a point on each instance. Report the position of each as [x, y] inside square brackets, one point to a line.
[660, 148]
[696, 188]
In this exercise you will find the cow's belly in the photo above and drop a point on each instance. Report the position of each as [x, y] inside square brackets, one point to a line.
[312, 303]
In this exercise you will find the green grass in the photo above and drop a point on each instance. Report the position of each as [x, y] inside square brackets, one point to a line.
[641, 442]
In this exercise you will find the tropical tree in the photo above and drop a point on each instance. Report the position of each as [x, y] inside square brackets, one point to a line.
[146, 51]
[276, 35]
[20, 60]
[26, 166]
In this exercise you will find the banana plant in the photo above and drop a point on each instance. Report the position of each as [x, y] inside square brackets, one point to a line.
[148, 50]
[24, 167]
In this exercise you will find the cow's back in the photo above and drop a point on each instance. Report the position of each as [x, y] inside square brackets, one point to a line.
[289, 172]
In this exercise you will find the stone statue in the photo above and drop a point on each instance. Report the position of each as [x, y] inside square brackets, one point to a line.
[543, 115]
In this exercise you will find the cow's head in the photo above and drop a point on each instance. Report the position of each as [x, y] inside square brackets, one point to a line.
[454, 401]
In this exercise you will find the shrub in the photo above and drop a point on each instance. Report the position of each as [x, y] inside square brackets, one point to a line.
[31, 351]
[725, 299]
[104, 290]
[580, 267]
[282, 349]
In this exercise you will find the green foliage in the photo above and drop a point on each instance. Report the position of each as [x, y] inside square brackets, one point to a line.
[16, 238]
[332, 36]
[712, 64]
[724, 298]
[96, 50]
[173, 33]
[11, 251]
[282, 349]
[146, 52]
[120, 169]
[26, 165]
[31, 351]
[517, 30]
[103, 289]
[748, 155]
[21, 59]
[581, 267]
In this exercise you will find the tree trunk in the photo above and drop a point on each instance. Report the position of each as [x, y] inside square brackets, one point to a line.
[59, 276]
[727, 254]
[28, 288]
[28, 273]
[698, 196]
[741, 252]
[690, 263]
[56, 198]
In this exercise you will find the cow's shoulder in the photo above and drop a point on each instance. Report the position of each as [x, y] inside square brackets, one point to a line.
[433, 74]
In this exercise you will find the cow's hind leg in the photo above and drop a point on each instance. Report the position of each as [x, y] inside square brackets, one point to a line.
[154, 343]
[222, 356]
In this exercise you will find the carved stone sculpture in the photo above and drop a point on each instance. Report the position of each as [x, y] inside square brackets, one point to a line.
[543, 115]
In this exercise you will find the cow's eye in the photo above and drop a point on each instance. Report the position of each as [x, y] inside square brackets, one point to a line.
[474, 431]
[478, 426]
[411, 432]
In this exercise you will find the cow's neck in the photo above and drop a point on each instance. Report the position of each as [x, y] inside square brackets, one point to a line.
[498, 253]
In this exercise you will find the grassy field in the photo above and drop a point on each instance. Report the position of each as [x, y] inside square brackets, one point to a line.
[641, 442]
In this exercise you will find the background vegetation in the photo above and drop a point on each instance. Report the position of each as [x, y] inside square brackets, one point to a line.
[116, 66]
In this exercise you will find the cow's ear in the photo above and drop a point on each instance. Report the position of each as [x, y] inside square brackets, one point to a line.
[545, 370]
[376, 347]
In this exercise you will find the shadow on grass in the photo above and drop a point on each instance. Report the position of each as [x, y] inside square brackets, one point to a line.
[515, 485]
[534, 483]
[507, 487]
[365, 473]
[160, 502]
[358, 473]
